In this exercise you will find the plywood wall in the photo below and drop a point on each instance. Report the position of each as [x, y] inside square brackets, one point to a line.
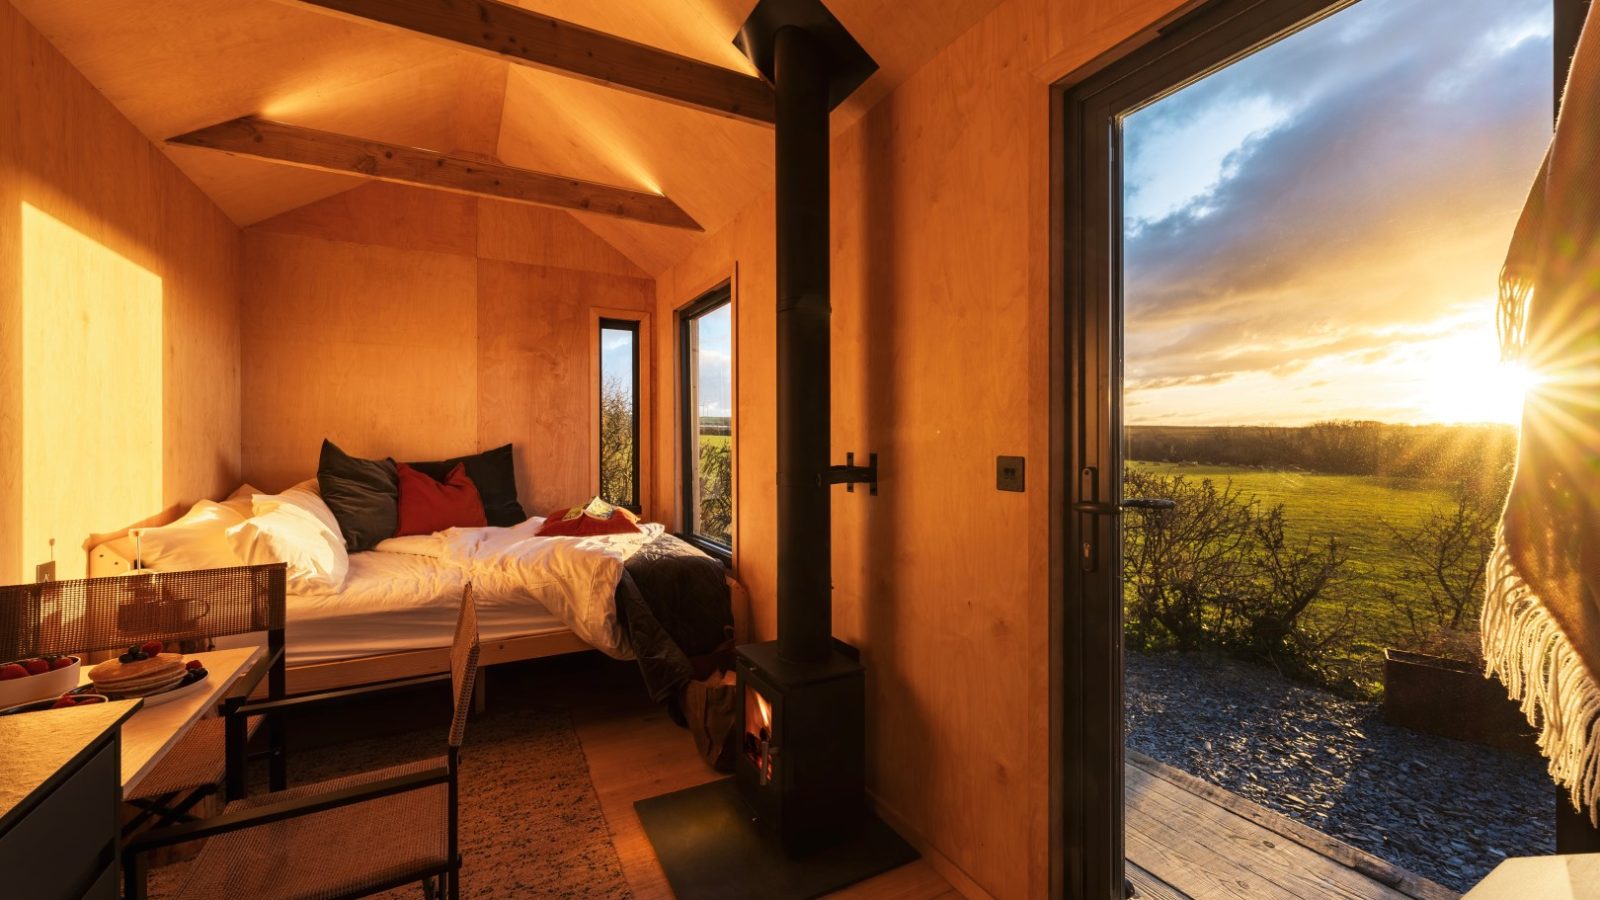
[415, 324]
[119, 319]
[940, 363]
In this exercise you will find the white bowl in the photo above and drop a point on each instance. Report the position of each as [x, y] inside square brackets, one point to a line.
[53, 683]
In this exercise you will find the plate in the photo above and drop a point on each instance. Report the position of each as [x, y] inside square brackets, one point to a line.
[172, 693]
[48, 703]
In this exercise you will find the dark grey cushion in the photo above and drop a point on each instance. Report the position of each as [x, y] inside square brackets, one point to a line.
[362, 493]
[496, 477]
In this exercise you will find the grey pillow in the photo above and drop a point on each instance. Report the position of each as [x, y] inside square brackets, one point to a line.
[363, 494]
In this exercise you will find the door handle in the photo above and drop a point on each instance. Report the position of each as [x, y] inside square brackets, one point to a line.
[1110, 509]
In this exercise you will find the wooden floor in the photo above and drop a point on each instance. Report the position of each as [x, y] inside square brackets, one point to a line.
[636, 752]
[1185, 838]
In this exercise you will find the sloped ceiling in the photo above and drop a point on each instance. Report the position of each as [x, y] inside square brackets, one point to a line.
[185, 64]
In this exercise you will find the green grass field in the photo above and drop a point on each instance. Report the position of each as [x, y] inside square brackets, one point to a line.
[1351, 508]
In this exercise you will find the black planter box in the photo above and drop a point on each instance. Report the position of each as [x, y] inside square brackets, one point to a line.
[1452, 699]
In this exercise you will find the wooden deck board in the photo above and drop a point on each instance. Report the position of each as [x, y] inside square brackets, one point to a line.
[1200, 841]
[1149, 887]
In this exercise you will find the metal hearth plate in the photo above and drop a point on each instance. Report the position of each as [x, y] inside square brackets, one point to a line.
[712, 849]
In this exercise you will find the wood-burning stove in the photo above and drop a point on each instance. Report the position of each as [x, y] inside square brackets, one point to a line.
[802, 771]
[802, 704]
[802, 732]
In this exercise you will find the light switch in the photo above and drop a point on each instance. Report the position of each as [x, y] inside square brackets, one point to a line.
[1010, 473]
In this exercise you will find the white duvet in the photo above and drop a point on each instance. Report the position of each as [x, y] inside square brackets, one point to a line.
[573, 579]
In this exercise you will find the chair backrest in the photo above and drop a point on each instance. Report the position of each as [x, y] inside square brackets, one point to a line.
[463, 665]
[114, 613]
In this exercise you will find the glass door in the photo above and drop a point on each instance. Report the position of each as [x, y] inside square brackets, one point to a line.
[1288, 436]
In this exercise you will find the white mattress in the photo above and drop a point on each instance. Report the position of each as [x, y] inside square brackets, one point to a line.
[393, 602]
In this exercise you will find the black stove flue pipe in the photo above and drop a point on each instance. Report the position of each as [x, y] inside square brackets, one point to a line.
[805, 552]
[813, 64]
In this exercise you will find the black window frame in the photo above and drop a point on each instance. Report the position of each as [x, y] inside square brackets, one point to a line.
[688, 430]
[631, 326]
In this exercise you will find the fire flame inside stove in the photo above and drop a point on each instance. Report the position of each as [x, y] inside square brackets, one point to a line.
[764, 709]
[758, 732]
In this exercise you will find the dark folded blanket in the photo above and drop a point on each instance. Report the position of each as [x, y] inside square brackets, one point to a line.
[674, 603]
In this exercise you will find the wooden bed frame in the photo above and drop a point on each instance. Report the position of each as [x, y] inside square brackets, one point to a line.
[115, 557]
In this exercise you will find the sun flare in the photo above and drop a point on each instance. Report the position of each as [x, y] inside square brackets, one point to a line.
[1466, 381]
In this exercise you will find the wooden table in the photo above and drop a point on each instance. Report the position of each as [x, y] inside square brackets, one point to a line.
[153, 730]
[1571, 877]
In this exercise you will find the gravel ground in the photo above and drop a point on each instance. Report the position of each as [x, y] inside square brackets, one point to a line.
[1444, 809]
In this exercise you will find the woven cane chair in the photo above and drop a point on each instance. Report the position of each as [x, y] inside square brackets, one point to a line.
[349, 837]
[184, 610]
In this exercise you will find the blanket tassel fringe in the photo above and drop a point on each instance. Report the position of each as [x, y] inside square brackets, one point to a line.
[1526, 650]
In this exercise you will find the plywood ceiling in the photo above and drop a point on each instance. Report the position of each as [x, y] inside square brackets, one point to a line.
[185, 64]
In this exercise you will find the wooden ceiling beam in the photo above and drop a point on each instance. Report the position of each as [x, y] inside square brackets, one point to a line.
[526, 37]
[329, 152]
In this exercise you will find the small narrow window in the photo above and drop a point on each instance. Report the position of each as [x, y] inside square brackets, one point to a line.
[619, 412]
[706, 333]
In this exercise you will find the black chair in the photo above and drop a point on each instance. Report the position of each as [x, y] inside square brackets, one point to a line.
[187, 611]
[349, 837]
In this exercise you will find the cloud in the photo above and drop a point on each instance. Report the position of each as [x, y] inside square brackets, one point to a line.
[715, 384]
[1373, 203]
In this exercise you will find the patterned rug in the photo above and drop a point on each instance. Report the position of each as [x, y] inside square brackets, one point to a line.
[531, 825]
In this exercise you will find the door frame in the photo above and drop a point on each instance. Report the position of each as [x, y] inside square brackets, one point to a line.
[1086, 660]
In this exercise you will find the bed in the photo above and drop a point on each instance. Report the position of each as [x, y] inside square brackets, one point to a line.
[536, 597]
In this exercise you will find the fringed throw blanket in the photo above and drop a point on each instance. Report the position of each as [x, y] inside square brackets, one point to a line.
[1541, 616]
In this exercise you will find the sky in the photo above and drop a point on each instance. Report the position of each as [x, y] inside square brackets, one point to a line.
[616, 356]
[716, 359]
[1315, 231]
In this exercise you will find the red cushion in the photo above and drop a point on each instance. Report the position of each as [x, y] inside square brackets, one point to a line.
[427, 506]
[598, 517]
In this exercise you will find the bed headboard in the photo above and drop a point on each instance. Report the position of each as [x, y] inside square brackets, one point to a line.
[112, 557]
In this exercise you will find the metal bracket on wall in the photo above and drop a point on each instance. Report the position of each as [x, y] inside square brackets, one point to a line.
[851, 474]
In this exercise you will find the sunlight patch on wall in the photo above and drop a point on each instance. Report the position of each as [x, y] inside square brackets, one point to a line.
[91, 392]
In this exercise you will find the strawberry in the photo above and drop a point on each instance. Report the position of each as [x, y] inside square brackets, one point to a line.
[36, 666]
[64, 703]
[151, 648]
[61, 662]
[12, 670]
[193, 664]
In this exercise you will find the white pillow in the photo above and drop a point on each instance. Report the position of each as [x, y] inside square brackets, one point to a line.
[305, 496]
[198, 540]
[240, 500]
[318, 562]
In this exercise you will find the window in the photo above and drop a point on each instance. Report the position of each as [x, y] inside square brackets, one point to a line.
[706, 353]
[619, 412]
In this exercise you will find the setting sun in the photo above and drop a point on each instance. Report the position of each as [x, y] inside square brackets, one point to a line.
[1465, 381]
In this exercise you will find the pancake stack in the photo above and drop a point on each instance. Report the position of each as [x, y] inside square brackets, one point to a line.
[138, 678]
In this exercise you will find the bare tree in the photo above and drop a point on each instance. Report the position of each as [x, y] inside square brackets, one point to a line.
[1441, 574]
[1178, 565]
[1291, 577]
[616, 444]
[1218, 570]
